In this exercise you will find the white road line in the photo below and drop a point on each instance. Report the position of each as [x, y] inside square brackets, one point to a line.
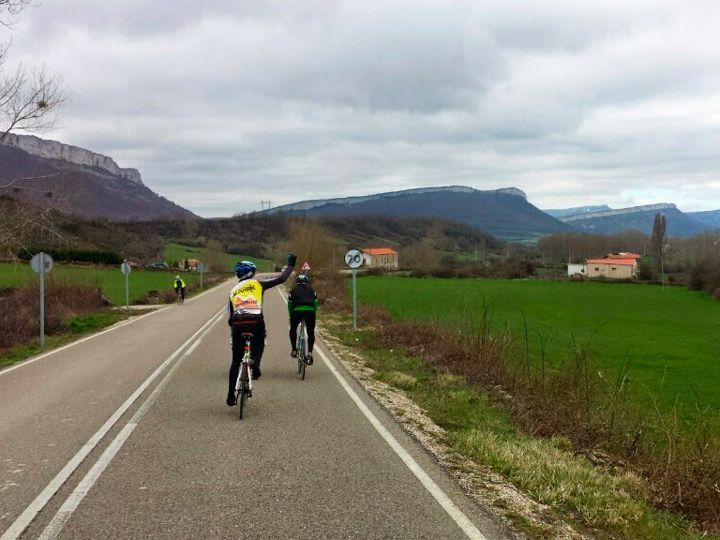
[428, 483]
[45, 355]
[22, 522]
[75, 498]
[113, 327]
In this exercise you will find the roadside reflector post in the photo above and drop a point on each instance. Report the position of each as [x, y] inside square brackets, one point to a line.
[354, 259]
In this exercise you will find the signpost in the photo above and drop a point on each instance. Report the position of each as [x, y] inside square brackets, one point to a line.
[354, 259]
[125, 269]
[42, 263]
[305, 267]
[201, 269]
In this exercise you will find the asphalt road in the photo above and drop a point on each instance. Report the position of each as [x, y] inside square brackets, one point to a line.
[127, 435]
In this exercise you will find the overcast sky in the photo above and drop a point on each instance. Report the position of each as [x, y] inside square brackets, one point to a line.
[223, 103]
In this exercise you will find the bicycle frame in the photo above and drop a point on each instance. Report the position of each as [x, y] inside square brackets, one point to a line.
[245, 367]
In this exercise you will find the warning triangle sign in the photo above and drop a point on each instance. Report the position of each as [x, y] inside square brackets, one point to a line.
[305, 267]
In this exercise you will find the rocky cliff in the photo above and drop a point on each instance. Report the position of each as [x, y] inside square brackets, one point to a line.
[72, 154]
[80, 183]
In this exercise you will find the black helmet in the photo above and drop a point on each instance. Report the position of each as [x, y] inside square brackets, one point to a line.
[302, 279]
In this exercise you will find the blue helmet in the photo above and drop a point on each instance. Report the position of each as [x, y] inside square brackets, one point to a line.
[302, 278]
[245, 269]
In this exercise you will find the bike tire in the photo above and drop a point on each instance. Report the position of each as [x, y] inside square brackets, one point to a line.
[302, 369]
[243, 394]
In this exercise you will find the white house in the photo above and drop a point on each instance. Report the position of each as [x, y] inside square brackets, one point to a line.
[575, 269]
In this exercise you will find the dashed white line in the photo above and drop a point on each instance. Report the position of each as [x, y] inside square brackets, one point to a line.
[86, 484]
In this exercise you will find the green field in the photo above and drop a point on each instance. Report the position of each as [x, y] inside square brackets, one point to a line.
[670, 336]
[110, 280]
[176, 252]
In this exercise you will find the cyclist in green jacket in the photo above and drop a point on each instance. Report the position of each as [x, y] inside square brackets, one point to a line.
[302, 305]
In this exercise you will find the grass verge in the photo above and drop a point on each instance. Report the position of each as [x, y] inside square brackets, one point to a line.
[599, 501]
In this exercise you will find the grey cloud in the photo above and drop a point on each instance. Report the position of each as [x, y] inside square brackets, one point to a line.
[224, 103]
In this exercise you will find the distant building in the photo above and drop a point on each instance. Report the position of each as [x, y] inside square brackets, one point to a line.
[612, 268]
[192, 264]
[574, 269]
[383, 257]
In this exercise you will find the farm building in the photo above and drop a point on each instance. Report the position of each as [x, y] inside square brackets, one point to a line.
[622, 265]
[383, 257]
[622, 268]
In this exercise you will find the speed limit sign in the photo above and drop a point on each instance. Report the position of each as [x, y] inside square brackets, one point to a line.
[354, 258]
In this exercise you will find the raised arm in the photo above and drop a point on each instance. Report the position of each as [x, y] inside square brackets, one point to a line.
[282, 277]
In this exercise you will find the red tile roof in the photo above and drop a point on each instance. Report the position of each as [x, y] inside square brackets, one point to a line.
[379, 251]
[626, 262]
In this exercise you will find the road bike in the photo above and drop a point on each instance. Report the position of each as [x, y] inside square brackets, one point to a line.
[300, 347]
[179, 296]
[243, 385]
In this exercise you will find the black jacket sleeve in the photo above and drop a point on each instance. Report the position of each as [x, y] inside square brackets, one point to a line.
[278, 279]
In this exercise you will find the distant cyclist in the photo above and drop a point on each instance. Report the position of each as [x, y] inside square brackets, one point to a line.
[245, 314]
[179, 286]
[302, 305]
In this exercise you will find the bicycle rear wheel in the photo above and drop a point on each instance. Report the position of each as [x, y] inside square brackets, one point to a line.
[244, 390]
[301, 352]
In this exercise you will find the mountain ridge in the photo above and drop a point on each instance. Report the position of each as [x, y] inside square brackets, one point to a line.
[635, 218]
[504, 213]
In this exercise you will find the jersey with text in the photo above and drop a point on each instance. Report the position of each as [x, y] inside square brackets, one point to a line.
[246, 299]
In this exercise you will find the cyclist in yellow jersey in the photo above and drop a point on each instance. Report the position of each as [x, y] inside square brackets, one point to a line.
[179, 286]
[245, 314]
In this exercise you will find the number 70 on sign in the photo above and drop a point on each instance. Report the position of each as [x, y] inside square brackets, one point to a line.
[354, 258]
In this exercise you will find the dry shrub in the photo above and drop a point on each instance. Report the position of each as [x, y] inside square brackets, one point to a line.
[680, 461]
[331, 288]
[20, 310]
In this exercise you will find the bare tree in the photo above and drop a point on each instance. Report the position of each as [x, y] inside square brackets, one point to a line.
[29, 100]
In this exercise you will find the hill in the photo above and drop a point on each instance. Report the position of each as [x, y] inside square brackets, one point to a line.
[253, 234]
[503, 213]
[77, 181]
[710, 219]
[635, 218]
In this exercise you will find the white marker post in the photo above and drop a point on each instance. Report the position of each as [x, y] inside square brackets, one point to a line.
[41, 263]
[125, 269]
[354, 259]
